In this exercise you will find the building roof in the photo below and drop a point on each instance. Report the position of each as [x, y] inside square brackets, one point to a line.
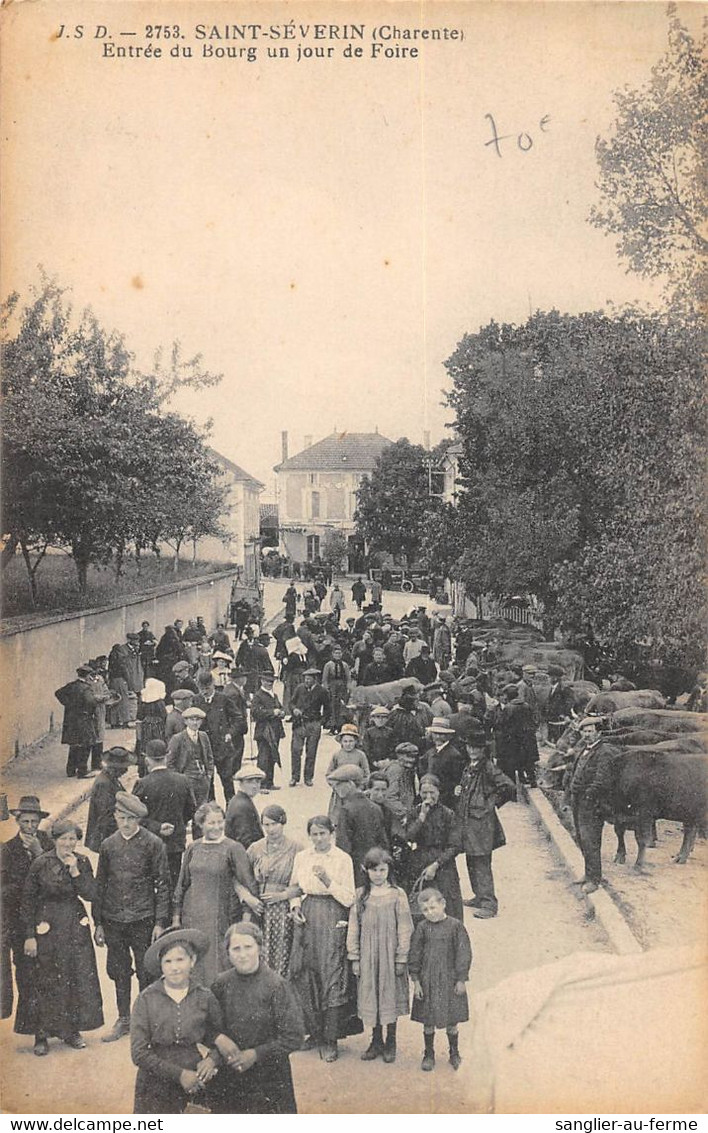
[358, 451]
[235, 470]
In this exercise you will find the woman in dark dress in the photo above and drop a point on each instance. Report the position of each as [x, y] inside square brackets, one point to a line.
[170, 1018]
[263, 1025]
[58, 939]
[151, 718]
[435, 832]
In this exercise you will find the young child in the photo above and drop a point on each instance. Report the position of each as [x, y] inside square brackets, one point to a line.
[348, 753]
[379, 740]
[439, 963]
[378, 939]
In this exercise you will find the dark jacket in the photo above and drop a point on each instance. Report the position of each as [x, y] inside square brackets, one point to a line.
[360, 827]
[101, 820]
[236, 707]
[484, 788]
[80, 704]
[267, 725]
[168, 796]
[448, 764]
[194, 760]
[132, 880]
[561, 701]
[313, 703]
[15, 862]
[242, 820]
[217, 724]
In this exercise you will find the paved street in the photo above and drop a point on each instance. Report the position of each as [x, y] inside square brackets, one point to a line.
[540, 920]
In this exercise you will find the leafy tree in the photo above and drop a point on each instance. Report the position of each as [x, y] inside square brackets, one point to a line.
[89, 455]
[653, 168]
[393, 502]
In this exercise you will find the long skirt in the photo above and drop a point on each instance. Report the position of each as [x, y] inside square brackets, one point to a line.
[63, 987]
[277, 936]
[265, 1088]
[321, 974]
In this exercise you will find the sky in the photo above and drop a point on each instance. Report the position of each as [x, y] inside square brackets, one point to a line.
[322, 231]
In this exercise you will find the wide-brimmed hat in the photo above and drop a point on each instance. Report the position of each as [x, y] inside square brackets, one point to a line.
[249, 773]
[441, 726]
[349, 730]
[29, 804]
[169, 938]
[347, 773]
[193, 714]
[117, 757]
[153, 691]
[130, 804]
[221, 657]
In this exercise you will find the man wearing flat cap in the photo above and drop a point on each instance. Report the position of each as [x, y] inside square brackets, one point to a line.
[131, 907]
[360, 823]
[243, 823]
[16, 857]
[267, 714]
[527, 693]
[561, 701]
[79, 727]
[189, 752]
[101, 816]
[310, 705]
[182, 698]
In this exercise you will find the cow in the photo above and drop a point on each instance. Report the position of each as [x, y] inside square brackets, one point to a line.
[605, 703]
[661, 720]
[646, 783]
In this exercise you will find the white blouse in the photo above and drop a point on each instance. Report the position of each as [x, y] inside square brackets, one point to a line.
[339, 867]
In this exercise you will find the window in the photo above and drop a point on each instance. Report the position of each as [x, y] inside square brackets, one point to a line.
[315, 505]
[313, 548]
[313, 478]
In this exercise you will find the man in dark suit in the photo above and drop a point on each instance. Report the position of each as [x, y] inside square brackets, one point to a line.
[79, 727]
[16, 857]
[237, 709]
[360, 825]
[217, 726]
[243, 823]
[101, 819]
[267, 714]
[169, 799]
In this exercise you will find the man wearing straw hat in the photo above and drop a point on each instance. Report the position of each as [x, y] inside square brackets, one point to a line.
[446, 761]
[16, 857]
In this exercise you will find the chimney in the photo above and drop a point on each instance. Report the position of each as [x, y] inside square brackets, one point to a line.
[426, 440]
[284, 445]
[308, 440]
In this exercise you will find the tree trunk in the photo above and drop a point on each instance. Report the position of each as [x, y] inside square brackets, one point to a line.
[81, 561]
[30, 573]
[8, 551]
[175, 561]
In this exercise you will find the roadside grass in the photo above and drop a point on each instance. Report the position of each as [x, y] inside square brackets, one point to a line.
[58, 590]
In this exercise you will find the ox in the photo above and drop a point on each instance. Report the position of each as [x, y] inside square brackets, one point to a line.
[605, 703]
[661, 720]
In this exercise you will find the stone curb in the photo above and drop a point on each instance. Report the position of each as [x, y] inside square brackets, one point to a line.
[603, 907]
[70, 807]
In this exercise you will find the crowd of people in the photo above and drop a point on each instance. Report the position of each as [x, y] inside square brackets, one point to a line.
[245, 942]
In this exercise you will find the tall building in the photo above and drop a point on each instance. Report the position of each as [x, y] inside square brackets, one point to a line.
[317, 493]
[241, 546]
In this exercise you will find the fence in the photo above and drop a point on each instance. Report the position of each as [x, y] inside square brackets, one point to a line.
[486, 606]
[36, 660]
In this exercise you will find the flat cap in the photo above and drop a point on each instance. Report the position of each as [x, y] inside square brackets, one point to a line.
[130, 804]
[183, 694]
[249, 773]
[193, 714]
[347, 773]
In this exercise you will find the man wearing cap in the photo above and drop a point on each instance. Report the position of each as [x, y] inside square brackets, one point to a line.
[515, 737]
[445, 761]
[243, 823]
[336, 681]
[360, 823]
[422, 667]
[261, 656]
[217, 726]
[101, 817]
[527, 692]
[483, 788]
[169, 799]
[400, 776]
[234, 694]
[180, 677]
[16, 857]
[561, 700]
[147, 644]
[189, 752]
[131, 907]
[267, 714]
[309, 706]
[182, 699]
[79, 727]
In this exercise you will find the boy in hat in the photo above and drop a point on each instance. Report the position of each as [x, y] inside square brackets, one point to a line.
[131, 907]
[101, 818]
[243, 823]
[378, 740]
[16, 857]
[267, 714]
[79, 727]
[182, 699]
[190, 753]
[310, 706]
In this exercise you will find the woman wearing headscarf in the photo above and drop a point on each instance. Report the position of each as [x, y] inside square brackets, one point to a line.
[272, 859]
[58, 939]
[434, 832]
[152, 715]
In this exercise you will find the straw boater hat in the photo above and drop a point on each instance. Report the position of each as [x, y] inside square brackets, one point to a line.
[440, 727]
[169, 938]
[29, 804]
[221, 657]
[153, 691]
[349, 730]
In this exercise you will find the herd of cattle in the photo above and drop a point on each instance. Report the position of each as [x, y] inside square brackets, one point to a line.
[634, 759]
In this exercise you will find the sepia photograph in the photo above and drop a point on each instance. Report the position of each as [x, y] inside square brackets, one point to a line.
[354, 713]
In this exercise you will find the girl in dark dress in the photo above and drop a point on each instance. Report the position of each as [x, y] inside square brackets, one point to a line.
[170, 1018]
[58, 939]
[439, 964]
